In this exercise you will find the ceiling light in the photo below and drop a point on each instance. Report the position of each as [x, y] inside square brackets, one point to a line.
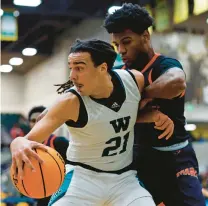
[6, 68]
[190, 127]
[32, 3]
[29, 51]
[112, 9]
[16, 13]
[16, 61]
[1, 12]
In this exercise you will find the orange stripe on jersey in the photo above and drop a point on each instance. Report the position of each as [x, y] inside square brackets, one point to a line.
[150, 62]
[147, 66]
[150, 77]
[182, 94]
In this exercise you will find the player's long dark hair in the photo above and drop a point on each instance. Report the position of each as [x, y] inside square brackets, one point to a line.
[100, 52]
[129, 16]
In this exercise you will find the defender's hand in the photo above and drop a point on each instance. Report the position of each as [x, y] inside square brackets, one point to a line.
[21, 150]
[163, 122]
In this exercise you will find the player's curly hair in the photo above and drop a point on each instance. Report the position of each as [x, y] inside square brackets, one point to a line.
[129, 16]
[100, 52]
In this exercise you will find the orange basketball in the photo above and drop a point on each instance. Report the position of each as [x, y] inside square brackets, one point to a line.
[47, 177]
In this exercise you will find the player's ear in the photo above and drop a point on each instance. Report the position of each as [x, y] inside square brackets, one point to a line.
[103, 67]
[146, 35]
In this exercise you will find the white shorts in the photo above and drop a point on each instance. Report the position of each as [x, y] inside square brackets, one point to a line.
[86, 187]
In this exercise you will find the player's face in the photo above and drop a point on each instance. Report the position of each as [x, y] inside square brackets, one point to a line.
[33, 119]
[83, 73]
[132, 47]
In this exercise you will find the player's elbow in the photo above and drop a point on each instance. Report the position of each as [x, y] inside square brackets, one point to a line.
[178, 87]
[180, 84]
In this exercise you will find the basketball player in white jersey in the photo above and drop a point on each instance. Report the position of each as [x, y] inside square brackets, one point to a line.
[100, 112]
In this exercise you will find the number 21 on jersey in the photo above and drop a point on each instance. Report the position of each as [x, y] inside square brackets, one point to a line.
[120, 143]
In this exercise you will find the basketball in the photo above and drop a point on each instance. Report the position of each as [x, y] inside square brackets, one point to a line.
[47, 177]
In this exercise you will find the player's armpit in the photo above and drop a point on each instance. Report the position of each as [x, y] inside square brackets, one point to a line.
[169, 85]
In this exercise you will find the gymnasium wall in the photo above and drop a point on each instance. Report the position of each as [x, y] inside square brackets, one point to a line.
[12, 92]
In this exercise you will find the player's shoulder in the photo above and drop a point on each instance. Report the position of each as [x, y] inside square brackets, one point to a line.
[136, 73]
[139, 78]
[123, 69]
[69, 94]
[69, 98]
[168, 61]
[67, 106]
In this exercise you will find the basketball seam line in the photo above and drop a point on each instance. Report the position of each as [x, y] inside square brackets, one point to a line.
[58, 167]
[42, 176]
[23, 181]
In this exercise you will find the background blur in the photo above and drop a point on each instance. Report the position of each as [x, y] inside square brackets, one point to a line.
[35, 39]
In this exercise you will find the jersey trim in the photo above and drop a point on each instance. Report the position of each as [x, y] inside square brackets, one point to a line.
[125, 169]
[83, 117]
[150, 62]
[156, 55]
[132, 75]
[150, 77]
[117, 96]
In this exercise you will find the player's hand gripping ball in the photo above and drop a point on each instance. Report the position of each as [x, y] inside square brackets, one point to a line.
[47, 177]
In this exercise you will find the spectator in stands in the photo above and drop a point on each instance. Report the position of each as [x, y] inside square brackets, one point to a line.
[5, 137]
[16, 131]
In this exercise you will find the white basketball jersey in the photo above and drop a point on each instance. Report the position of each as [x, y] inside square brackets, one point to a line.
[106, 141]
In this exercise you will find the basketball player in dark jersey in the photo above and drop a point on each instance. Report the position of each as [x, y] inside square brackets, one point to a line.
[168, 168]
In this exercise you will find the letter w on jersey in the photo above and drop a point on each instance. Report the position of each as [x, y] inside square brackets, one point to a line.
[121, 123]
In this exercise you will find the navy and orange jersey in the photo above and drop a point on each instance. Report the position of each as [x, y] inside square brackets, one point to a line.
[50, 141]
[145, 134]
[60, 144]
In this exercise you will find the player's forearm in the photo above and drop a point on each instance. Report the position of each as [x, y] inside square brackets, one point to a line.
[147, 116]
[42, 115]
[42, 130]
[165, 88]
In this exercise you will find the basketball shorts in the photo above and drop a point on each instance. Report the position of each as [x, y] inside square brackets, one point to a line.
[170, 176]
[86, 187]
